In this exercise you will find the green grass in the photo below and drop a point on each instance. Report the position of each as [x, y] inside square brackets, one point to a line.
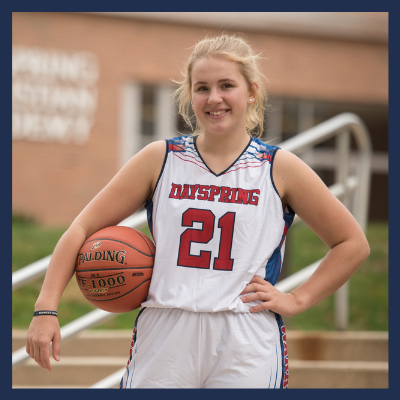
[368, 288]
[31, 242]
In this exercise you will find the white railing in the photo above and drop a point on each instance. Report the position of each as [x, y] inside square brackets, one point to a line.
[95, 317]
[352, 190]
[39, 268]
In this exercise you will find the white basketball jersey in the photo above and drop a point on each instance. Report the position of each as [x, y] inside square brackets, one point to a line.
[214, 232]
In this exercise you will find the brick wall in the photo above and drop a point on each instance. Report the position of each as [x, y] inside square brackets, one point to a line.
[53, 182]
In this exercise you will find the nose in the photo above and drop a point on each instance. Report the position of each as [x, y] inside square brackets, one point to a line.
[214, 97]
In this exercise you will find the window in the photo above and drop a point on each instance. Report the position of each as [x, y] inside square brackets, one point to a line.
[148, 115]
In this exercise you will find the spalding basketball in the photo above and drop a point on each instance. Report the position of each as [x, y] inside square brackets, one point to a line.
[114, 267]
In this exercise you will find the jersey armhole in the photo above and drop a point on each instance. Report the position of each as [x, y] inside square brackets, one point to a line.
[159, 176]
[288, 210]
[272, 167]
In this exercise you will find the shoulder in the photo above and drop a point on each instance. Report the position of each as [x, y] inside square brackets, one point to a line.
[154, 154]
[304, 191]
[291, 175]
[285, 160]
[151, 156]
[144, 167]
[155, 149]
[151, 159]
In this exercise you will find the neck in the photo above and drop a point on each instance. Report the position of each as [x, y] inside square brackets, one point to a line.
[222, 144]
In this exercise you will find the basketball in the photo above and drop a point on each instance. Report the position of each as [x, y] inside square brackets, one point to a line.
[114, 268]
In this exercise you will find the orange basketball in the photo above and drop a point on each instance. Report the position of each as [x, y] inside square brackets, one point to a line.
[114, 267]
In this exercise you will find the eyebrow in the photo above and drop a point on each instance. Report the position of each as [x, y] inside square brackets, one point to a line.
[220, 81]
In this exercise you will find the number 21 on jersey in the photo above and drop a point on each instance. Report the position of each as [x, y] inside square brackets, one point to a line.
[204, 235]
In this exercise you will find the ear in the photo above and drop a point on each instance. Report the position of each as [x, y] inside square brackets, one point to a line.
[252, 93]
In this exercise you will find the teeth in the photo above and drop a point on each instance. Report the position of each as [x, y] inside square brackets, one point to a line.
[216, 112]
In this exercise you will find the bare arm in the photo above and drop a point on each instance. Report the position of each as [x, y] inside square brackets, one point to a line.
[122, 196]
[308, 196]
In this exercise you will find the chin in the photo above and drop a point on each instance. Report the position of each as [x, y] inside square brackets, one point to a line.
[217, 131]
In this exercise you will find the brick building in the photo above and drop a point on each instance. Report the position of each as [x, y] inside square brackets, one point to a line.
[91, 89]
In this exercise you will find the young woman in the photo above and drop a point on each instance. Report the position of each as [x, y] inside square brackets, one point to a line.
[219, 202]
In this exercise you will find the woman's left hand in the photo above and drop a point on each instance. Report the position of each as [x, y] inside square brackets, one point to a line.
[271, 298]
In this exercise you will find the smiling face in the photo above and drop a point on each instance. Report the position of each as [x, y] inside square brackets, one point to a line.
[220, 96]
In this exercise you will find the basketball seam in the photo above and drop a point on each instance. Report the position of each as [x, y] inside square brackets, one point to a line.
[115, 298]
[142, 236]
[100, 277]
[110, 269]
[118, 241]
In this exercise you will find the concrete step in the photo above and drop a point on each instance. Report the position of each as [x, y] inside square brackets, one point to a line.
[85, 371]
[316, 360]
[69, 372]
[91, 343]
[338, 374]
[338, 346]
[51, 387]
[302, 345]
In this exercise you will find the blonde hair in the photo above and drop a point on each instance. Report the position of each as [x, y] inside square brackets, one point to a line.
[235, 49]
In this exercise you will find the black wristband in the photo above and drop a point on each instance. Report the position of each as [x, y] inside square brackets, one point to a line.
[45, 312]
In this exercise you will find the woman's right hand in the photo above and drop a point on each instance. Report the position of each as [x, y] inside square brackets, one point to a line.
[42, 331]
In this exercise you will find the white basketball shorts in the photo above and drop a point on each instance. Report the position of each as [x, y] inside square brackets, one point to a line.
[175, 348]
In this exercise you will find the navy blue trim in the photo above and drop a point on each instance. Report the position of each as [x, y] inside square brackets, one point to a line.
[197, 150]
[279, 321]
[276, 259]
[270, 172]
[291, 211]
[148, 205]
[149, 208]
[162, 170]
[134, 342]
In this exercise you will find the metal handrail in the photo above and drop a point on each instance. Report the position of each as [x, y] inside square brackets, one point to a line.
[341, 124]
[39, 268]
[93, 318]
[96, 317]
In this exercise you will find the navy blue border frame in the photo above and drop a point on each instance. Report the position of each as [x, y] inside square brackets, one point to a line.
[194, 394]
